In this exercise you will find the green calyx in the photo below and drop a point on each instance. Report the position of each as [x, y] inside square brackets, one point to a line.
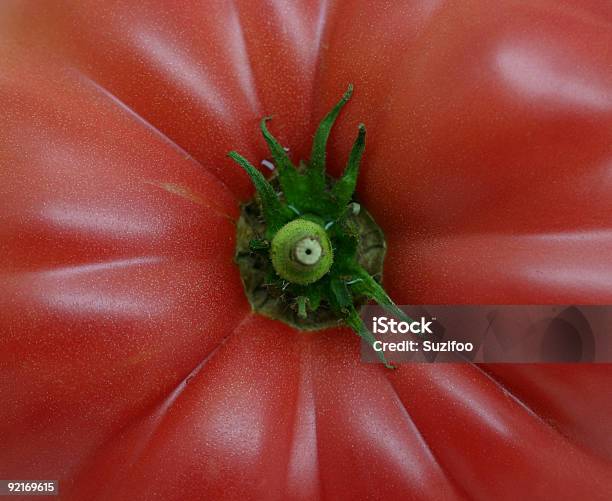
[307, 251]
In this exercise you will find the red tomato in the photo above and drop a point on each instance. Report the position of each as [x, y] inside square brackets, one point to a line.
[131, 365]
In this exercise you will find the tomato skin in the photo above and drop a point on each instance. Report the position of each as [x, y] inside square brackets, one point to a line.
[130, 363]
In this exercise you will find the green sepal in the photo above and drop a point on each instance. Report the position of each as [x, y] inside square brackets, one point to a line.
[305, 189]
[301, 193]
[311, 293]
[288, 176]
[342, 299]
[314, 292]
[345, 236]
[301, 301]
[364, 285]
[275, 213]
[316, 170]
[355, 322]
[345, 186]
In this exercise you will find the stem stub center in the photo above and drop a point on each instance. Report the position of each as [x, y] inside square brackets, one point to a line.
[301, 252]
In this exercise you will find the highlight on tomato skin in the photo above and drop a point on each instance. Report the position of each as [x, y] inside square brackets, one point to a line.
[132, 364]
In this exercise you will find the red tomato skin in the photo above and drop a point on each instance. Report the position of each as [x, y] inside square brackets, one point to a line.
[131, 366]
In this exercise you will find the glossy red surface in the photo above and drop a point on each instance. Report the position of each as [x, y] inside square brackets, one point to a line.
[130, 364]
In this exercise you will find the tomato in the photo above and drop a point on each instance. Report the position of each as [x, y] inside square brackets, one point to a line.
[131, 364]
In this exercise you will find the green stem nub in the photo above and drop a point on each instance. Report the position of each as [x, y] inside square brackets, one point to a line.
[301, 305]
[301, 252]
